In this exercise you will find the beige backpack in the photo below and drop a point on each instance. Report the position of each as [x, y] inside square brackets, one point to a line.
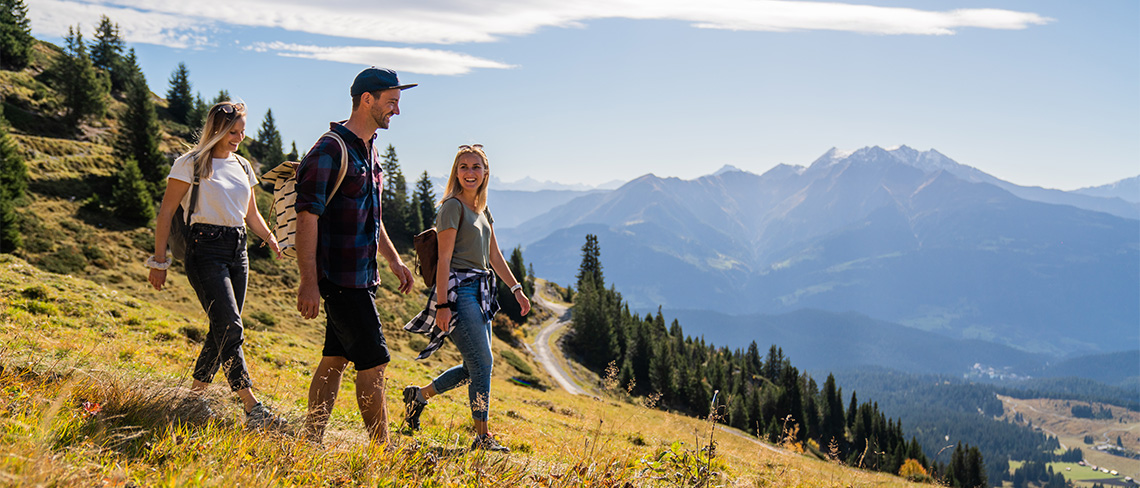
[284, 179]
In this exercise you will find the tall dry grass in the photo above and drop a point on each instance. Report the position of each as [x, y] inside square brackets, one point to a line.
[93, 393]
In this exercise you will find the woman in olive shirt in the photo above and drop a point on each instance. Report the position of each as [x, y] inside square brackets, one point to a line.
[467, 243]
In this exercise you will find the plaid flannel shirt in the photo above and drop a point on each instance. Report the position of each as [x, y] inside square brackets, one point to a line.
[348, 231]
[424, 322]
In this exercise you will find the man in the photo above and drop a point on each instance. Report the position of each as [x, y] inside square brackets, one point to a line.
[336, 251]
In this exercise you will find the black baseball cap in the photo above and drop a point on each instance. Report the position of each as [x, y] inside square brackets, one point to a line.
[376, 79]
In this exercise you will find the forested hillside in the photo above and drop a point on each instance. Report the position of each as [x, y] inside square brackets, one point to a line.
[762, 394]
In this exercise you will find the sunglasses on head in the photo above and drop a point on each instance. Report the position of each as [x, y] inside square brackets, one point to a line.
[231, 108]
[471, 146]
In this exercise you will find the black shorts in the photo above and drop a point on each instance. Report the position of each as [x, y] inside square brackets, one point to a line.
[353, 330]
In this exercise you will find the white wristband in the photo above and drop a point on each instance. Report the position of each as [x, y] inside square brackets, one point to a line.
[151, 263]
[517, 287]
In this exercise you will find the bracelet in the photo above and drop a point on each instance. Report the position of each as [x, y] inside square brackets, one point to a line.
[151, 263]
[517, 287]
[447, 305]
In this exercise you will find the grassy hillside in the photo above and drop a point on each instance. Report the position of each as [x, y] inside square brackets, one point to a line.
[93, 381]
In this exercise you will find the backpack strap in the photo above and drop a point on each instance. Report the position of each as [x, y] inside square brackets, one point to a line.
[343, 163]
[193, 196]
[244, 165]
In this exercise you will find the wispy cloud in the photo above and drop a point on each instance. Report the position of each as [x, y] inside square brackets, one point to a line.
[53, 17]
[186, 24]
[415, 60]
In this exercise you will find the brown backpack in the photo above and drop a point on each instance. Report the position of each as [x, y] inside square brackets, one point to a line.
[426, 244]
[427, 255]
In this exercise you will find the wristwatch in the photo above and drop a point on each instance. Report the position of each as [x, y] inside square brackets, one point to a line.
[516, 287]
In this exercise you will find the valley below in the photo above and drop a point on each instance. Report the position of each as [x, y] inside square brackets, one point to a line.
[1055, 418]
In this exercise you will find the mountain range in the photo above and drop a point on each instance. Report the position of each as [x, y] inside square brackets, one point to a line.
[904, 236]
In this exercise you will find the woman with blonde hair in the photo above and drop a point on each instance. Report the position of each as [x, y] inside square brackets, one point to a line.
[217, 265]
[468, 253]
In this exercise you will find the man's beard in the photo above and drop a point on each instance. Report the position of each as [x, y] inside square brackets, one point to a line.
[382, 120]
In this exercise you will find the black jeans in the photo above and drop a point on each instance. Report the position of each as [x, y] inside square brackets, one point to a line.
[218, 269]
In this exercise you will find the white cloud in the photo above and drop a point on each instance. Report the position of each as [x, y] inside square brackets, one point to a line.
[189, 23]
[53, 17]
[414, 60]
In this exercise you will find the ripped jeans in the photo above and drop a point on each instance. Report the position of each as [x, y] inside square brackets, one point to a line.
[472, 336]
[218, 269]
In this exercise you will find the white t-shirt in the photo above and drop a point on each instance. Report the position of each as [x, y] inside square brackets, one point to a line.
[223, 198]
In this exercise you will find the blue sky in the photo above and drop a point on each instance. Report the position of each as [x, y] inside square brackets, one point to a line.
[1040, 93]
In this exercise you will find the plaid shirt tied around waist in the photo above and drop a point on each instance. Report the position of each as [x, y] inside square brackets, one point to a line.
[424, 322]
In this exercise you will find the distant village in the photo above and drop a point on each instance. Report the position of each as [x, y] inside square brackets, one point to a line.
[981, 371]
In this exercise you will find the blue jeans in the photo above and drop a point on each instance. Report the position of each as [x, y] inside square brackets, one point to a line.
[218, 269]
[472, 336]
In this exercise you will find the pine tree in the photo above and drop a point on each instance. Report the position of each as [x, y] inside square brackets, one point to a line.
[591, 328]
[13, 185]
[591, 267]
[180, 102]
[507, 300]
[426, 198]
[394, 201]
[222, 96]
[130, 195]
[774, 363]
[139, 135]
[198, 113]
[415, 215]
[272, 151]
[833, 422]
[107, 53]
[16, 39]
[738, 412]
[812, 422]
[84, 90]
[293, 154]
[661, 371]
[131, 65]
[852, 411]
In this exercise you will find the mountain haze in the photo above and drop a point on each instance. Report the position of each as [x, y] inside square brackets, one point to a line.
[898, 235]
[1127, 189]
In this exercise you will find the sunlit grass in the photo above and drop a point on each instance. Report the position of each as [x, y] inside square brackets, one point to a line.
[94, 393]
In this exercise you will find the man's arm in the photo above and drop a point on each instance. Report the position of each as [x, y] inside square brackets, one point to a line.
[308, 294]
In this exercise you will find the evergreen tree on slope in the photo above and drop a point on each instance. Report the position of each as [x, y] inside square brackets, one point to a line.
[107, 53]
[16, 39]
[139, 135]
[180, 102]
[84, 90]
[13, 184]
[271, 152]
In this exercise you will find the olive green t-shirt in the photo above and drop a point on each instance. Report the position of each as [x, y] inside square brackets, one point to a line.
[472, 238]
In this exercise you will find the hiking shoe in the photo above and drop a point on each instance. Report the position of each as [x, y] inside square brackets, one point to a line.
[413, 407]
[261, 417]
[487, 442]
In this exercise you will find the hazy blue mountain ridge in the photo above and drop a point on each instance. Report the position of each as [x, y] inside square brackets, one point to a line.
[896, 235]
[1127, 189]
[513, 207]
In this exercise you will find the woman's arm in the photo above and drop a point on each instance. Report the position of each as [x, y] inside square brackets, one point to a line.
[499, 264]
[175, 190]
[446, 244]
[257, 224]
